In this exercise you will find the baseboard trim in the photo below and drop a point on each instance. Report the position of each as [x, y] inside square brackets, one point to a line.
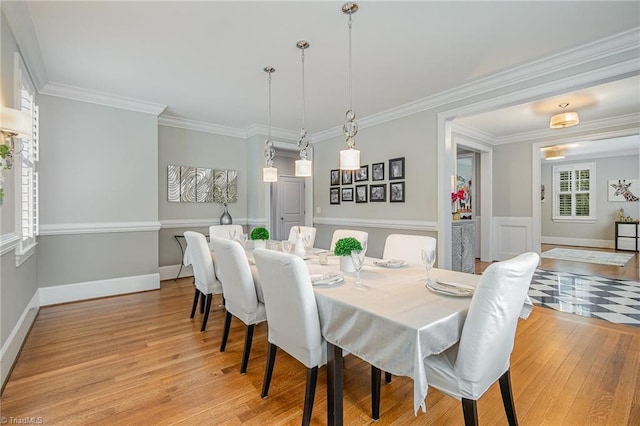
[13, 344]
[579, 242]
[101, 288]
[170, 272]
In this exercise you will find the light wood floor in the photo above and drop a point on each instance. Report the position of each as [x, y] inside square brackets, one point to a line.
[630, 271]
[139, 359]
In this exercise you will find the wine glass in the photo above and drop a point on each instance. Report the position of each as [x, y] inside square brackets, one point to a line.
[357, 257]
[428, 258]
[242, 239]
[286, 246]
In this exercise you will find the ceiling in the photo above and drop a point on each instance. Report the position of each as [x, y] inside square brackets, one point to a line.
[205, 60]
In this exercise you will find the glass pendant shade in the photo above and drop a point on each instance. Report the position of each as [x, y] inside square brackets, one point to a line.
[349, 159]
[269, 174]
[303, 168]
[565, 119]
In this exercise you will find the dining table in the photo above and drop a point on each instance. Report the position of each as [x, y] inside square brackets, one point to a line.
[391, 320]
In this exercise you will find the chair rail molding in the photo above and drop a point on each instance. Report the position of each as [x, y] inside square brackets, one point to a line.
[412, 225]
[98, 228]
[8, 242]
[199, 223]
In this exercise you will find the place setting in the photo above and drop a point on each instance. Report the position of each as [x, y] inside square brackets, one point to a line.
[441, 287]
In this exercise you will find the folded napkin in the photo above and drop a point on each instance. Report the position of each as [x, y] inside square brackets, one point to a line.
[391, 263]
[326, 279]
[451, 289]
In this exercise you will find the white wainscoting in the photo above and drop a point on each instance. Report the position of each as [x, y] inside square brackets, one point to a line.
[512, 236]
[579, 242]
[101, 288]
[12, 345]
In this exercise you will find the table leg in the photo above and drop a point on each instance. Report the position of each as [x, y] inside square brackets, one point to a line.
[181, 255]
[335, 365]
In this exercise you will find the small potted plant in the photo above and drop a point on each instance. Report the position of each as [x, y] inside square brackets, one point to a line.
[343, 249]
[259, 236]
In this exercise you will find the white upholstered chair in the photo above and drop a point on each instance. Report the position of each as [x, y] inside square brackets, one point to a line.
[307, 231]
[407, 247]
[343, 233]
[240, 295]
[466, 370]
[204, 276]
[294, 324]
[225, 231]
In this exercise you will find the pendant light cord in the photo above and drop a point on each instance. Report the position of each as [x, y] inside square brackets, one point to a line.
[350, 68]
[269, 107]
[303, 98]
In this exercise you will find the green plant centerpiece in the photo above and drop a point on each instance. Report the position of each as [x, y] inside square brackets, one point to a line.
[259, 234]
[343, 249]
[345, 245]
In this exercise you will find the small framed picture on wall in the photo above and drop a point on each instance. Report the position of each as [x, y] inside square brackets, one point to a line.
[378, 192]
[361, 193]
[396, 192]
[377, 171]
[334, 195]
[335, 177]
[347, 177]
[362, 174]
[347, 194]
[396, 168]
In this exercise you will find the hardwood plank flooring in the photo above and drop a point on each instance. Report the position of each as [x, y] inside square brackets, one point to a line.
[139, 359]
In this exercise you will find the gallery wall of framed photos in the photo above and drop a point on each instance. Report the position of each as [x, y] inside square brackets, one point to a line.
[375, 183]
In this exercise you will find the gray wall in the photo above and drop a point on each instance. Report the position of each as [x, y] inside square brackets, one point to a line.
[97, 165]
[609, 168]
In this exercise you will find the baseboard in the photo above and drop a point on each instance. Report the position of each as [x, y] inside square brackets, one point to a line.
[13, 344]
[100, 288]
[170, 272]
[579, 242]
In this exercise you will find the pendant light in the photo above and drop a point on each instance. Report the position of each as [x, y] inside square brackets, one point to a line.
[350, 157]
[269, 173]
[303, 165]
[564, 119]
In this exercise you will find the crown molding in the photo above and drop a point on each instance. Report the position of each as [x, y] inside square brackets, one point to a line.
[585, 157]
[607, 47]
[60, 90]
[628, 120]
[259, 129]
[472, 133]
[201, 126]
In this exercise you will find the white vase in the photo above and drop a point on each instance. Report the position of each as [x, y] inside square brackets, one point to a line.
[346, 264]
[259, 244]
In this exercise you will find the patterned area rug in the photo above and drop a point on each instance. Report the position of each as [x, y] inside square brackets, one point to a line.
[587, 295]
[602, 257]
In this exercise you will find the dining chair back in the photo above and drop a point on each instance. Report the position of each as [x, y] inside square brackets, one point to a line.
[482, 356]
[306, 231]
[239, 288]
[294, 323]
[338, 234]
[408, 247]
[204, 275]
[225, 231]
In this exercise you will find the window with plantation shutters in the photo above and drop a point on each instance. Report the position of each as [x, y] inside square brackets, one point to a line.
[27, 221]
[574, 192]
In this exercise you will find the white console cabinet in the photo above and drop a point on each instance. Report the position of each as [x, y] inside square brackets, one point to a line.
[462, 243]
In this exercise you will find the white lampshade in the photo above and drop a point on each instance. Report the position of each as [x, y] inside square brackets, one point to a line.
[303, 168]
[16, 122]
[349, 159]
[564, 119]
[269, 174]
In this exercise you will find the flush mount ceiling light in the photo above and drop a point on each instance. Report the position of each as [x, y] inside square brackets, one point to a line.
[564, 119]
[350, 157]
[303, 165]
[269, 173]
[554, 153]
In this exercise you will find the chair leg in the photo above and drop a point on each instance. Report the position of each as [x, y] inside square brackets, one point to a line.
[248, 338]
[195, 303]
[268, 369]
[225, 333]
[507, 398]
[375, 393]
[202, 302]
[470, 411]
[206, 312]
[309, 395]
[387, 377]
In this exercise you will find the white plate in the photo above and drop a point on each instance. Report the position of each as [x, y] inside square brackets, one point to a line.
[392, 263]
[450, 289]
[326, 279]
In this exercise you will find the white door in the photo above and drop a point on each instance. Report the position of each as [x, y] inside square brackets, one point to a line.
[289, 206]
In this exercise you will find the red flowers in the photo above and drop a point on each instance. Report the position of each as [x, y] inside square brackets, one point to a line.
[460, 195]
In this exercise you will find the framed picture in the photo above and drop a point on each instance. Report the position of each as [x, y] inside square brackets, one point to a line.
[361, 193]
[377, 171]
[334, 195]
[347, 194]
[335, 177]
[347, 177]
[378, 192]
[362, 174]
[623, 190]
[396, 168]
[396, 192]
